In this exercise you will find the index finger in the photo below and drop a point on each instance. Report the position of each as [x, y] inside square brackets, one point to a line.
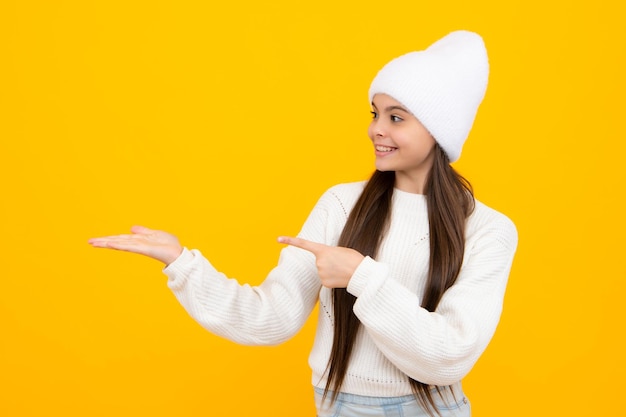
[312, 247]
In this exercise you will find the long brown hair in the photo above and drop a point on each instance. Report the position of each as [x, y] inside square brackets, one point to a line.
[450, 201]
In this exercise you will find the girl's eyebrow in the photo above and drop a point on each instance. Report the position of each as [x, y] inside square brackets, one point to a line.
[392, 108]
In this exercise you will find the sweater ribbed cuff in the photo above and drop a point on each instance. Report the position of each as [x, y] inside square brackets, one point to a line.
[176, 271]
[368, 274]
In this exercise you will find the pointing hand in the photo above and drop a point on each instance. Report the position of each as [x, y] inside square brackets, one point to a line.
[335, 264]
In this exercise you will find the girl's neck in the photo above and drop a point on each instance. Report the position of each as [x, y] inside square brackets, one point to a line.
[410, 185]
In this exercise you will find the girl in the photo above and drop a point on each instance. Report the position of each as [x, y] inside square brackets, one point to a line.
[408, 269]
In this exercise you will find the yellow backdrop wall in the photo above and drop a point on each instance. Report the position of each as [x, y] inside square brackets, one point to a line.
[223, 123]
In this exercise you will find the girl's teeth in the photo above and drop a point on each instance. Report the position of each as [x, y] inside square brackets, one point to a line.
[384, 149]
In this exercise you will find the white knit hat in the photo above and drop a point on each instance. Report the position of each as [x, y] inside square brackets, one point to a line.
[442, 86]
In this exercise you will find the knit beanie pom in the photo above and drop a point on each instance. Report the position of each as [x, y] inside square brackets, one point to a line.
[442, 86]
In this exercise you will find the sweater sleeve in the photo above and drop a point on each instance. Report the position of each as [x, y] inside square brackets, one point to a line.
[266, 314]
[440, 347]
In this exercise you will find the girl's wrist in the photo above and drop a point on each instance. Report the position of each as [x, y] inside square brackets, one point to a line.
[172, 255]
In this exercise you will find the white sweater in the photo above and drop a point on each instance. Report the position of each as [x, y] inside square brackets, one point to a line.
[397, 337]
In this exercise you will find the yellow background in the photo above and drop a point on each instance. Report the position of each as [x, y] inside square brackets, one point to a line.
[223, 123]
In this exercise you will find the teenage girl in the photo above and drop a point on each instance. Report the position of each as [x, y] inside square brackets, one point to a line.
[408, 268]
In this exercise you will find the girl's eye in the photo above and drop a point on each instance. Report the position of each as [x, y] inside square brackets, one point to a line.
[396, 119]
[374, 115]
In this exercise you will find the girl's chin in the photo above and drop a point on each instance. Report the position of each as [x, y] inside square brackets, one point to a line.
[384, 167]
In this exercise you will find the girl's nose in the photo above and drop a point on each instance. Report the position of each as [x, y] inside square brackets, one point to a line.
[378, 129]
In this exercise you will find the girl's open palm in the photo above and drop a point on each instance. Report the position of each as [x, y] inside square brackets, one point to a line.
[155, 244]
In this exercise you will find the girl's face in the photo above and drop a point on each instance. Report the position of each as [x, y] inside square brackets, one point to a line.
[401, 144]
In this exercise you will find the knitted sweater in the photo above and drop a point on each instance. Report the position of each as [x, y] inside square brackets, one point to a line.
[397, 337]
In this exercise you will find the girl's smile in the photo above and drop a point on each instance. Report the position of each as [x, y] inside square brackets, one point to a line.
[382, 150]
